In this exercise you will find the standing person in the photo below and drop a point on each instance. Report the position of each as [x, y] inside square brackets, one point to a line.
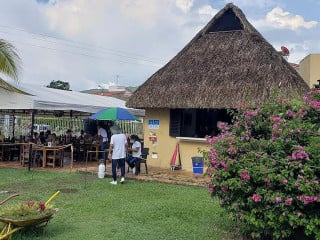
[82, 134]
[136, 153]
[42, 137]
[117, 152]
[68, 136]
[1, 137]
[102, 133]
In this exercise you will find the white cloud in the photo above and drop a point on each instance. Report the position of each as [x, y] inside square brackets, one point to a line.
[75, 16]
[184, 5]
[144, 12]
[207, 10]
[279, 18]
[252, 3]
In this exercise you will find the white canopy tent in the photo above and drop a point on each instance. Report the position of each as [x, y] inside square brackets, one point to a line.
[49, 101]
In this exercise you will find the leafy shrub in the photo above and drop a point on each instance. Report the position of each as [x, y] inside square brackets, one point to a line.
[26, 211]
[265, 169]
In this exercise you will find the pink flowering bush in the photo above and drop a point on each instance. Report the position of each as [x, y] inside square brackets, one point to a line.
[265, 168]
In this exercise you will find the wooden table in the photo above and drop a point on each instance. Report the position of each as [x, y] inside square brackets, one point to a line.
[12, 147]
[45, 150]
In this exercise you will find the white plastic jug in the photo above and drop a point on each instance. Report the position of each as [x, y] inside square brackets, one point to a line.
[102, 169]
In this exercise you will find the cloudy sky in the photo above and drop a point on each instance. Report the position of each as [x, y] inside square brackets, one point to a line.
[94, 42]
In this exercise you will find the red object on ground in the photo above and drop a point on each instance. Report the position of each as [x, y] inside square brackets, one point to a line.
[174, 156]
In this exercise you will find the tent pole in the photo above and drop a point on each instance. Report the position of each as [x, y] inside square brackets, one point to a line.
[13, 125]
[31, 139]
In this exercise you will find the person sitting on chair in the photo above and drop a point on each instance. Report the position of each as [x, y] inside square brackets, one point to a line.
[135, 153]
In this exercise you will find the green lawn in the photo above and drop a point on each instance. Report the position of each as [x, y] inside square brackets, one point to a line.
[92, 208]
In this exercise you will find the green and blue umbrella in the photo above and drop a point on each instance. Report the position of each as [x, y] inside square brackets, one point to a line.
[113, 114]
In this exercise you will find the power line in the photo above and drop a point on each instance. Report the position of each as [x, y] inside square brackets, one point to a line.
[83, 54]
[82, 46]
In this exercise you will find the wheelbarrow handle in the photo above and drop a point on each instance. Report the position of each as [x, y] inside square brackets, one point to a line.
[8, 198]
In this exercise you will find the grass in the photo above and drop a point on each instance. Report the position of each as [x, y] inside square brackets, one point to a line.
[91, 208]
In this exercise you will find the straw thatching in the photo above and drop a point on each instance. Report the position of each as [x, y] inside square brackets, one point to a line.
[226, 63]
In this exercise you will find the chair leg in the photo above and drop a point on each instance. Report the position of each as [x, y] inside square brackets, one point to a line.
[146, 167]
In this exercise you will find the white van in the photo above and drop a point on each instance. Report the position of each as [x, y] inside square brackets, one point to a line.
[41, 128]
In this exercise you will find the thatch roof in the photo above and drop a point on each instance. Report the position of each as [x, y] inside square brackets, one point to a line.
[226, 63]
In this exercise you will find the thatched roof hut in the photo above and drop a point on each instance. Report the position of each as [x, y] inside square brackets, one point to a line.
[226, 63]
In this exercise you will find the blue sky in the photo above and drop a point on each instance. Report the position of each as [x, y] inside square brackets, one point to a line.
[94, 42]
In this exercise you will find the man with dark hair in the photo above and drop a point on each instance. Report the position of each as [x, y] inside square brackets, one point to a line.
[117, 152]
[103, 141]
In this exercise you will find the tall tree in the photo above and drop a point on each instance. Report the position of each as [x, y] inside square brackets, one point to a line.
[59, 85]
[9, 60]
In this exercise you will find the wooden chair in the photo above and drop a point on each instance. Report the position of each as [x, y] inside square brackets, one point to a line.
[1, 152]
[24, 158]
[79, 150]
[14, 152]
[55, 158]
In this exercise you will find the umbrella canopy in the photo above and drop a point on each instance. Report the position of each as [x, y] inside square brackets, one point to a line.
[113, 114]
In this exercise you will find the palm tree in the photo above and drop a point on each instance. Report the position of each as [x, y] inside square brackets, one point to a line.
[9, 63]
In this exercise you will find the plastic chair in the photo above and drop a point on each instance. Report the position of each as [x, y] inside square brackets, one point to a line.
[142, 159]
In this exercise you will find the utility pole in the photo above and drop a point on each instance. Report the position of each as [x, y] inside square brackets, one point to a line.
[117, 80]
[102, 90]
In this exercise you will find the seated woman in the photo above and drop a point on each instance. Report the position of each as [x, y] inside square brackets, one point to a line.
[135, 153]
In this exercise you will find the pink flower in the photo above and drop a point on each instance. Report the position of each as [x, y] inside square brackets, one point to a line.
[223, 126]
[311, 101]
[256, 198]
[275, 119]
[232, 150]
[251, 113]
[211, 189]
[224, 165]
[285, 181]
[288, 201]
[278, 199]
[302, 113]
[224, 189]
[290, 114]
[307, 199]
[212, 140]
[244, 175]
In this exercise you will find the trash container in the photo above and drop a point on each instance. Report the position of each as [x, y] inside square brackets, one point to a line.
[197, 164]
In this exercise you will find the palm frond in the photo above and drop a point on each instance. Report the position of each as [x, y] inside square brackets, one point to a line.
[9, 87]
[9, 60]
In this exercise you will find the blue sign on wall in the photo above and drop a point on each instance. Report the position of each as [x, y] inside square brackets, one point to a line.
[153, 124]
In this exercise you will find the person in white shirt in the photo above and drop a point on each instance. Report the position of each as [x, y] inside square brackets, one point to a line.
[103, 141]
[117, 152]
[135, 153]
